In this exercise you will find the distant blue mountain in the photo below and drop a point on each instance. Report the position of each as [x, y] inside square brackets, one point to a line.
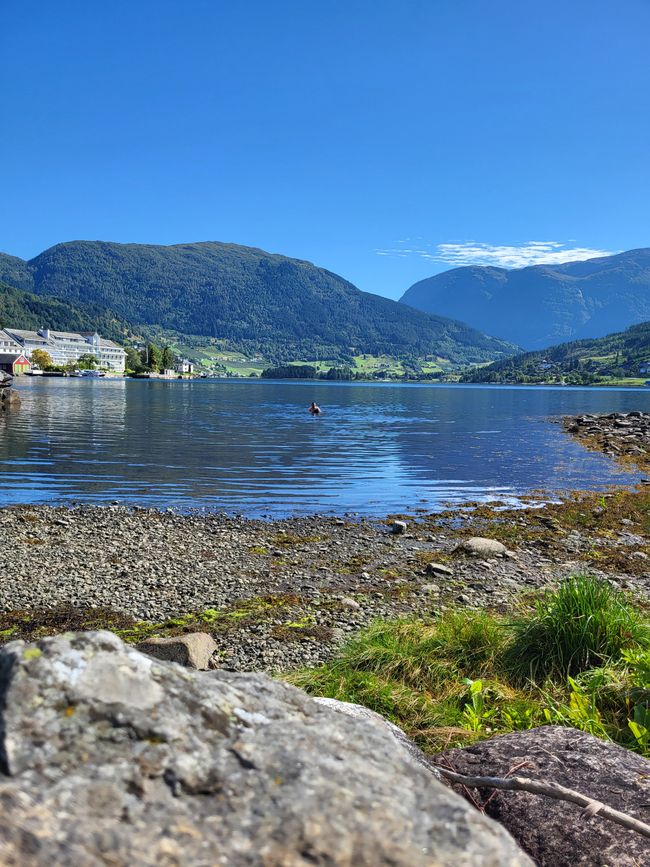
[542, 305]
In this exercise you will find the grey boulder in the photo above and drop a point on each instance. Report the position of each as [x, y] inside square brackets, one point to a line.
[557, 833]
[370, 717]
[108, 756]
[480, 547]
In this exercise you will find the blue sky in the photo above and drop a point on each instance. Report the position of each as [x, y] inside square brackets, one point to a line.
[383, 140]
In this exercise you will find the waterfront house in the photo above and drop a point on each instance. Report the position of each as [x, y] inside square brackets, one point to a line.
[645, 367]
[14, 364]
[183, 365]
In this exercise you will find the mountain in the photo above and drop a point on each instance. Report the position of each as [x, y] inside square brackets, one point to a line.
[262, 302]
[543, 304]
[20, 309]
[625, 355]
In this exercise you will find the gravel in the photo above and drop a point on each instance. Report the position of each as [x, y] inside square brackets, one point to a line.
[331, 576]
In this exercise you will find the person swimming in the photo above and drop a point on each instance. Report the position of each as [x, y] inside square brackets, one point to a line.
[314, 409]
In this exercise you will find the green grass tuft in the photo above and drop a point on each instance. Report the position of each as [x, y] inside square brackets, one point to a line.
[584, 624]
[580, 658]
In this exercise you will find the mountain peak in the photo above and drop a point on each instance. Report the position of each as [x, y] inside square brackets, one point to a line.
[543, 304]
[255, 301]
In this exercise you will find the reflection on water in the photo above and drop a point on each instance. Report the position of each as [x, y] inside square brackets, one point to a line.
[251, 447]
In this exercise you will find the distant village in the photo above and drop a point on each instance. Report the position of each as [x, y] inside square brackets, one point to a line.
[23, 352]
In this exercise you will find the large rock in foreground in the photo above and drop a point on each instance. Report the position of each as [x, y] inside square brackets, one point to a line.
[556, 833]
[111, 757]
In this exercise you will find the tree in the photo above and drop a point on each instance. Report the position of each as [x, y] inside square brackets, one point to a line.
[87, 361]
[41, 359]
[154, 356]
[168, 359]
[133, 360]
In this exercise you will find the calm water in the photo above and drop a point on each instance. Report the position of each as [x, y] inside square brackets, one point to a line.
[251, 447]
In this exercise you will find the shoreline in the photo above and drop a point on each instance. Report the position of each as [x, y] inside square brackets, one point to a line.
[282, 593]
[369, 381]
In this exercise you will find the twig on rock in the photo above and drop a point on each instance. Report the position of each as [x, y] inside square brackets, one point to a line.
[550, 790]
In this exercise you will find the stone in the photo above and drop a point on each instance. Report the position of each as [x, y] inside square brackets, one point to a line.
[439, 569]
[557, 833]
[348, 602]
[398, 527]
[480, 547]
[110, 756]
[9, 398]
[366, 715]
[193, 650]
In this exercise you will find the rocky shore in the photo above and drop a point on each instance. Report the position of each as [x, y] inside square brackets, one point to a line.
[280, 594]
[618, 434]
[276, 595]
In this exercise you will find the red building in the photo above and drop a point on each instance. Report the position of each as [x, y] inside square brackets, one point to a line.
[14, 364]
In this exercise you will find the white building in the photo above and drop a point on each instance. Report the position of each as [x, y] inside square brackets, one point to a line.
[67, 347]
[8, 345]
[109, 354]
[29, 341]
[184, 365]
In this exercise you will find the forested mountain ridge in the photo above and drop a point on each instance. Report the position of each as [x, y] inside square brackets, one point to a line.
[21, 309]
[543, 305]
[284, 308]
[624, 355]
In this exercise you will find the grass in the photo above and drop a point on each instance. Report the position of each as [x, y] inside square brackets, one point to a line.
[582, 625]
[469, 675]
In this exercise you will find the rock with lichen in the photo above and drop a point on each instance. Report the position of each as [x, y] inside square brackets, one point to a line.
[110, 756]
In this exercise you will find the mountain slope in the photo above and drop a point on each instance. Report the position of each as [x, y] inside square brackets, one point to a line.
[543, 304]
[583, 362]
[20, 309]
[285, 308]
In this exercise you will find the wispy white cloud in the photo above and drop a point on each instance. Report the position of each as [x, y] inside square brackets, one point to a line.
[460, 253]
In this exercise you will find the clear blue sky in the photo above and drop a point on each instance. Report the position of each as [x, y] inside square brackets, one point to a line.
[338, 131]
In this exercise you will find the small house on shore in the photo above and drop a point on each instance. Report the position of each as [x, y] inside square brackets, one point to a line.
[14, 364]
[184, 365]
